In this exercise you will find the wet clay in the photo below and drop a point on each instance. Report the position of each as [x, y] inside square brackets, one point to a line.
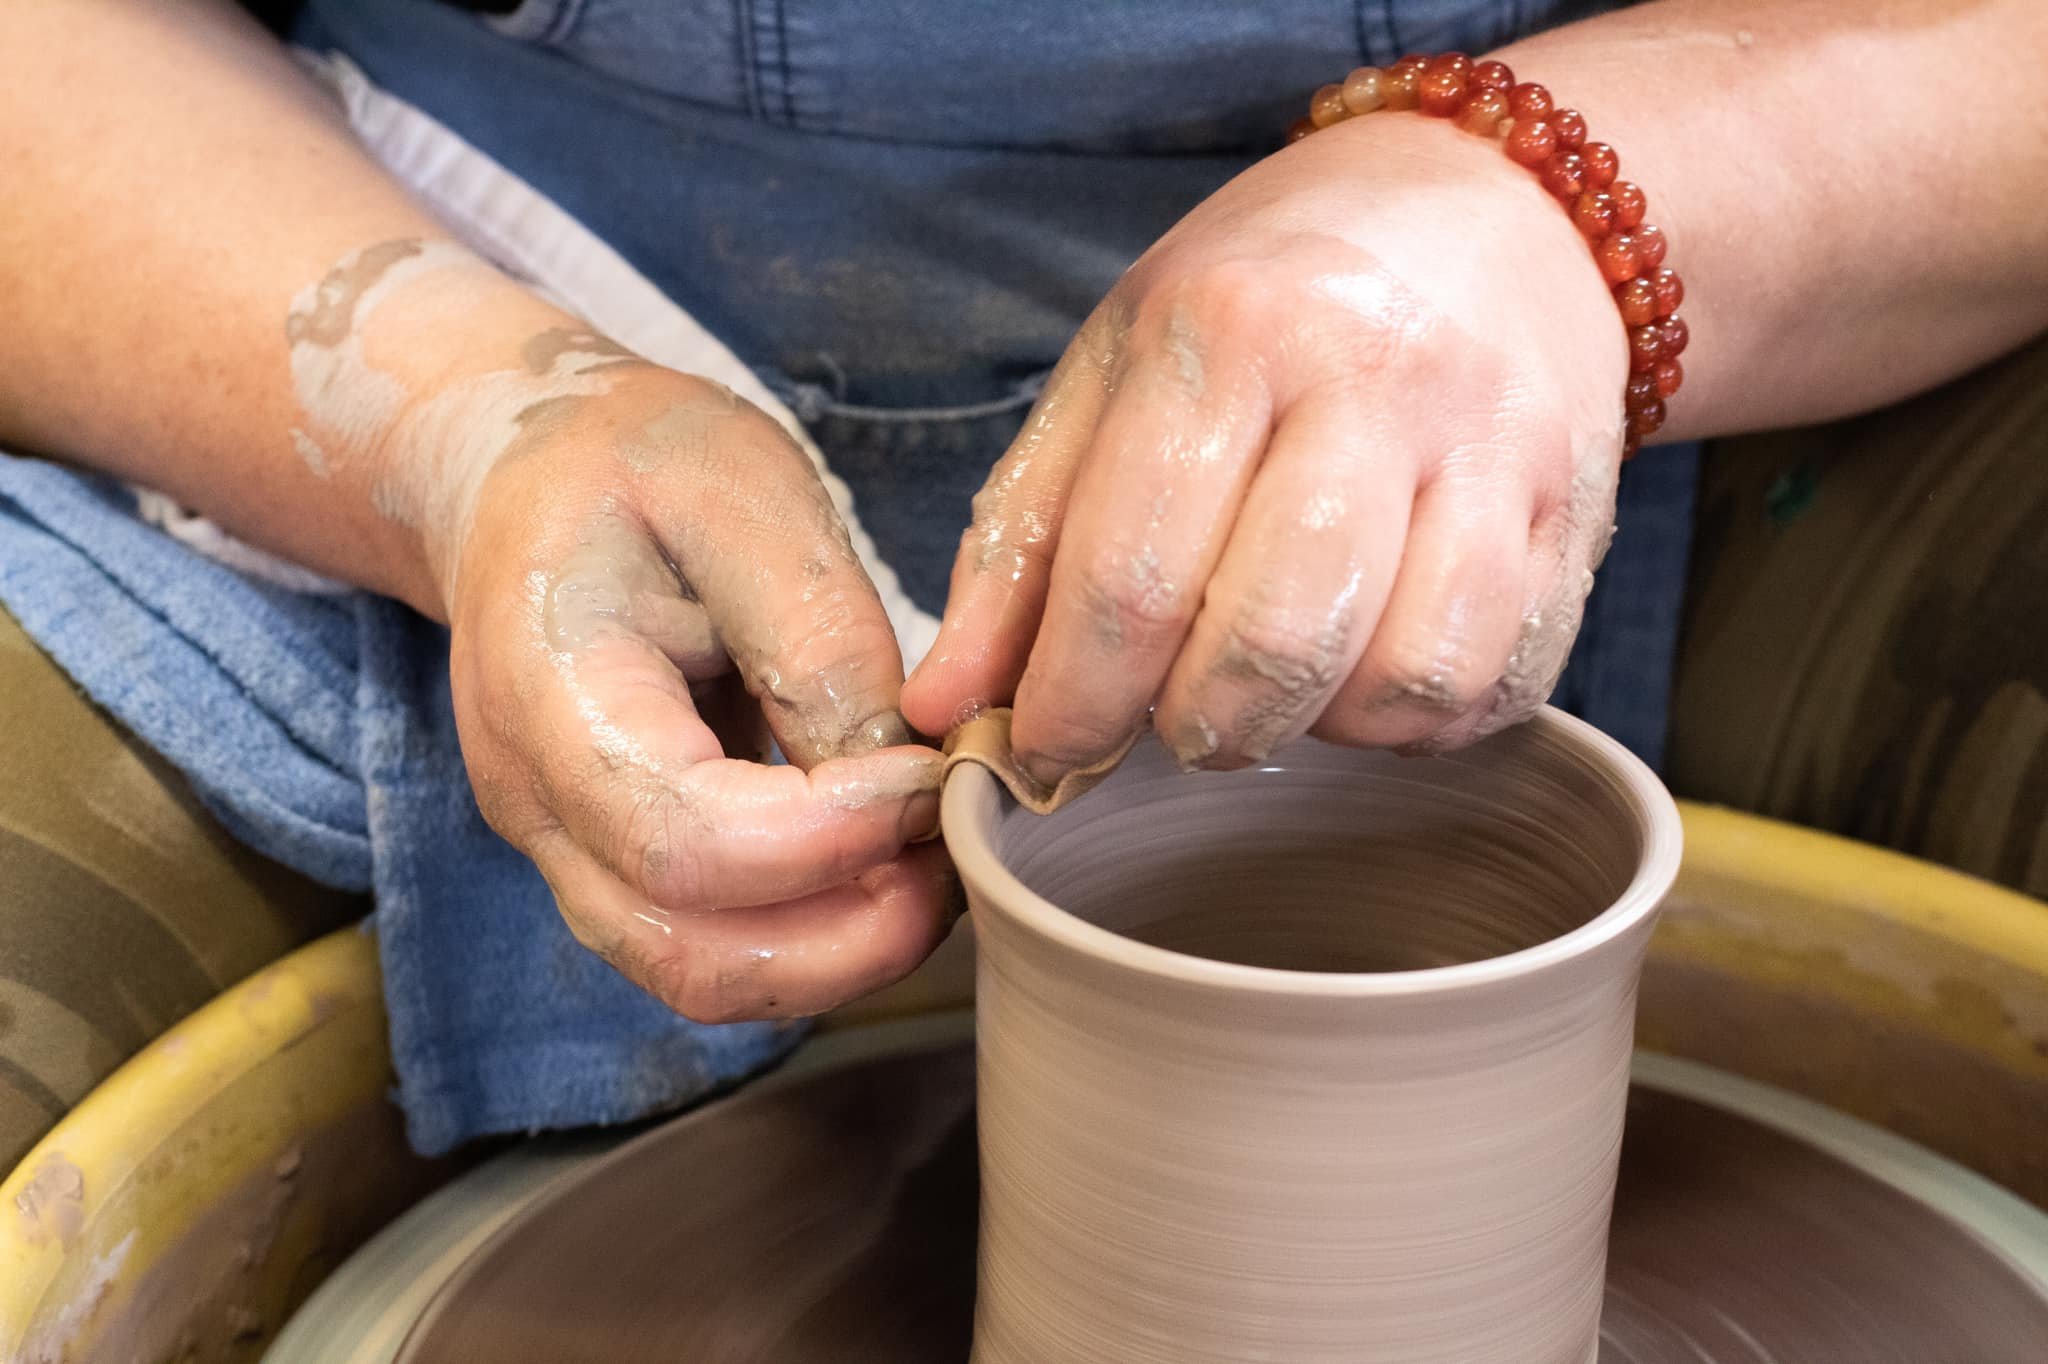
[1322, 1060]
[835, 1219]
[985, 742]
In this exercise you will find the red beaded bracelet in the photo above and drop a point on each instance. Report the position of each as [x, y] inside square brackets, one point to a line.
[1483, 98]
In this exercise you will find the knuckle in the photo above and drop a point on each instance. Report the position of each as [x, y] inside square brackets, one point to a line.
[1421, 674]
[1293, 656]
[1131, 598]
[656, 847]
[1226, 298]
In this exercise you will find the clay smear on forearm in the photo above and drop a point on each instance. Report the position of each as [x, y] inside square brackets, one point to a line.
[421, 449]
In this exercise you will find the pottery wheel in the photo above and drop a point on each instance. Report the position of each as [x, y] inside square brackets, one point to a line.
[831, 1217]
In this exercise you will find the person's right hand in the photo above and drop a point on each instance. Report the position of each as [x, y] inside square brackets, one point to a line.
[641, 579]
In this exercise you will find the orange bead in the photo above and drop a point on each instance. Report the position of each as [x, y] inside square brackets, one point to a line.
[1483, 112]
[1565, 175]
[1456, 62]
[1650, 245]
[1641, 391]
[1668, 376]
[1529, 100]
[1300, 128]
[1645, 349]
[1531, 144]
[1362, 93]
[1593, 212]
[1601, 164]
[1674, 334]
[1617, 257]
[1440, 93]
[1637, 302]
[1670, 291]
[1328, 106]
[1645, 421]
[1630, 443]
[1398, 85]
[1493, 76]
[1628, 204]
[1571, 129]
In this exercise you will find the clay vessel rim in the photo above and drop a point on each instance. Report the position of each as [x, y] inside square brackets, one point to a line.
[973, 801]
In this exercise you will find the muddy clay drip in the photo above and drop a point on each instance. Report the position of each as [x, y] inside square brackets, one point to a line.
[616, 584]
[1294, 1147]
[52, 1207]
[346, 403]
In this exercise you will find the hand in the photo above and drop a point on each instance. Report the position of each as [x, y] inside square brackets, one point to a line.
[1337, 456]
[647, 576]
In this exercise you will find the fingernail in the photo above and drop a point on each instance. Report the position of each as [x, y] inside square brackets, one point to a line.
[1194, 744]
[1046, 772]
[920, 817]
[885, 729]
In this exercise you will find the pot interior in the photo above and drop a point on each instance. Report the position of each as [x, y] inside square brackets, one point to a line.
[1344, 860]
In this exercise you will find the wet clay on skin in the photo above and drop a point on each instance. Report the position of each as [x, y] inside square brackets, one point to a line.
[433, 450]
[436, 451]
[985, 741]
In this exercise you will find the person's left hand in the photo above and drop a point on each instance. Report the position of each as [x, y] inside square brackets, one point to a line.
[1338, 455]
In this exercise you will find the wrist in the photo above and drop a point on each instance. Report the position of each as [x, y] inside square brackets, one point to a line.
[1548, 142]
[417, 367]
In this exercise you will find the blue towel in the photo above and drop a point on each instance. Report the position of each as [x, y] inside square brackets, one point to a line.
[320, 730]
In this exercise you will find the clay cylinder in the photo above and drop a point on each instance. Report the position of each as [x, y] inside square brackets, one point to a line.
[1323, 1060]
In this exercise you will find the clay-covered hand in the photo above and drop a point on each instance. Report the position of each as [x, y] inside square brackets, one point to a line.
[1336, 456]
[649, 579]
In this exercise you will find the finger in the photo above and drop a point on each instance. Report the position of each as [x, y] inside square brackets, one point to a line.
[1565, 545]
[1451, 620]
[998, 587]
[737, 505]
[785, 960]
[1298, 591]
[637, 778]
[1151, 511]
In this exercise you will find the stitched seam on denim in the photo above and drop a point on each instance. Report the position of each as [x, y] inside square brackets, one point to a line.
[1358, 26]
[1387, 22]
[782, 59]
[750, 74]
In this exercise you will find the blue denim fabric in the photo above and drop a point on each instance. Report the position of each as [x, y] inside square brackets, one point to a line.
[898, 213]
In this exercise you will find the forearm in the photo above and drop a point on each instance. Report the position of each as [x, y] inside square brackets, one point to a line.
[1851, 189]
[177, 188]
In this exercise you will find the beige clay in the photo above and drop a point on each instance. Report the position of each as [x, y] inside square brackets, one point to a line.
[1324, 1061]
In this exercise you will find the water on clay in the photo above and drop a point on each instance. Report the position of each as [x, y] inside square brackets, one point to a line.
[834, 1219]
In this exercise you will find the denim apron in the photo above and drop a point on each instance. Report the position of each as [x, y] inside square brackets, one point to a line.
[898, 212]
